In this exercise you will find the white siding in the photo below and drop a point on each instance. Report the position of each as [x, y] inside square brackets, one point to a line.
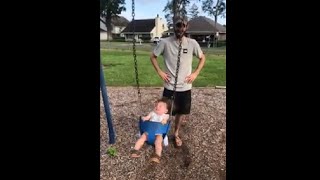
[103, 36]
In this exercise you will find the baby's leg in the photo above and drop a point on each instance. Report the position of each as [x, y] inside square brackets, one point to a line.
[135, 152]
[140, 141]
[158, 148]
[158, 144]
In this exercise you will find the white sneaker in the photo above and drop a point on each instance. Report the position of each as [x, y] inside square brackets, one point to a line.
[138, 135]
[165, 141]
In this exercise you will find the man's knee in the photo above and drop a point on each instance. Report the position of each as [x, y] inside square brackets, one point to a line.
[180, 116]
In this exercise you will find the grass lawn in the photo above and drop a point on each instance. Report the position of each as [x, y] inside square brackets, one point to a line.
[119, 66]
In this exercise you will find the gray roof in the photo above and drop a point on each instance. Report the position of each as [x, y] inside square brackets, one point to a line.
[116, 21]
[119, 21]
[141, 25]
[103, 26]
[203, 24]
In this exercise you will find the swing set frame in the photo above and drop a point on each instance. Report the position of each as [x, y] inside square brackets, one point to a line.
[143, 125]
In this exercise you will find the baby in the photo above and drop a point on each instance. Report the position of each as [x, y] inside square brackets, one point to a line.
[160, 115]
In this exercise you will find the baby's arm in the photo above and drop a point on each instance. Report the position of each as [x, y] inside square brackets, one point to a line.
[165, 120]
[146, 118]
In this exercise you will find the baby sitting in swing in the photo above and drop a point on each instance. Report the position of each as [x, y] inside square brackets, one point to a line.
[160, 115]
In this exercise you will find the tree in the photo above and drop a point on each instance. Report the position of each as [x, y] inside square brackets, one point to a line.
[169, 10]
[103, 4]
[215, 9]
[175, 8]
[194, 11]
[110, 9]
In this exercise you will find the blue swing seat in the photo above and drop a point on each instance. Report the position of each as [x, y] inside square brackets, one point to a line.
[153, 128]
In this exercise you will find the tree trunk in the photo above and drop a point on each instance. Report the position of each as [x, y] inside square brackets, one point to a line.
[215, 23]
[176, 10]
[109, 27]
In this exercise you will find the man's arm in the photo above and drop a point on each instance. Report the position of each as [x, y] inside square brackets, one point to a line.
[165, 119]
[202, 60]
[164, 76]
[193, 76]
[158, 50]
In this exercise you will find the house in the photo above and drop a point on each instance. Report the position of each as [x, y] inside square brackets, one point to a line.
[145, 29]
[118, 24]
[103, 30]
[203, 30]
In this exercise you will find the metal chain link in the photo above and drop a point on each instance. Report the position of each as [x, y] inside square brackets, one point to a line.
[176, 77]
[135, 55]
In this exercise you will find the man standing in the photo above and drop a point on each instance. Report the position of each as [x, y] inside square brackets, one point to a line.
[169, 48]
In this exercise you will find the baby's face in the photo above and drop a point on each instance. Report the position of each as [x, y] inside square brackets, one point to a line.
[161, 108]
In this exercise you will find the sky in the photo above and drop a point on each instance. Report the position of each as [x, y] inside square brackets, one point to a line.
[148, 9]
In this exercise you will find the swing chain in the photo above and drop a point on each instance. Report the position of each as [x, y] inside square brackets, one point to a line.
[176, 77]
[178, 65]
[134, 53]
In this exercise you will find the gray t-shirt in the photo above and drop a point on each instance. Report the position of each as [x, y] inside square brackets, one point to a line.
[169, 48]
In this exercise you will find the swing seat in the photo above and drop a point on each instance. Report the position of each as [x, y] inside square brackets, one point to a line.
[153, 128]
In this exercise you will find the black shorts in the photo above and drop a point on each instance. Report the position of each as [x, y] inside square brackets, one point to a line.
[182, 101]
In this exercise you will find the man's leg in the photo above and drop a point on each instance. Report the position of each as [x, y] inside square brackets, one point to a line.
[181, 109]
[183, 102]
[178, 119]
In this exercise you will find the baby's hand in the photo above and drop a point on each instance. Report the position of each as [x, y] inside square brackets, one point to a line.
[164, 121]
[146, 118]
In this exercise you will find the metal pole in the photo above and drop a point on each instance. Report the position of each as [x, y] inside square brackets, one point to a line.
[106, 105]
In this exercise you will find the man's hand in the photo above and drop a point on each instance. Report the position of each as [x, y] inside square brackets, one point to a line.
[189, 79]
[164, 76]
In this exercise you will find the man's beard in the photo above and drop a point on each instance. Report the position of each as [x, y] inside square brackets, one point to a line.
[179, 34]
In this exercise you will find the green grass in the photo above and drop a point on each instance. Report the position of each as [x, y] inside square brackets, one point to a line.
[213, 72]
[119, 68]
[150, 46]
[112, 151]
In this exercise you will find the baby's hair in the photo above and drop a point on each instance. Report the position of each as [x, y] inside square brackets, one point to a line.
[167, 101]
